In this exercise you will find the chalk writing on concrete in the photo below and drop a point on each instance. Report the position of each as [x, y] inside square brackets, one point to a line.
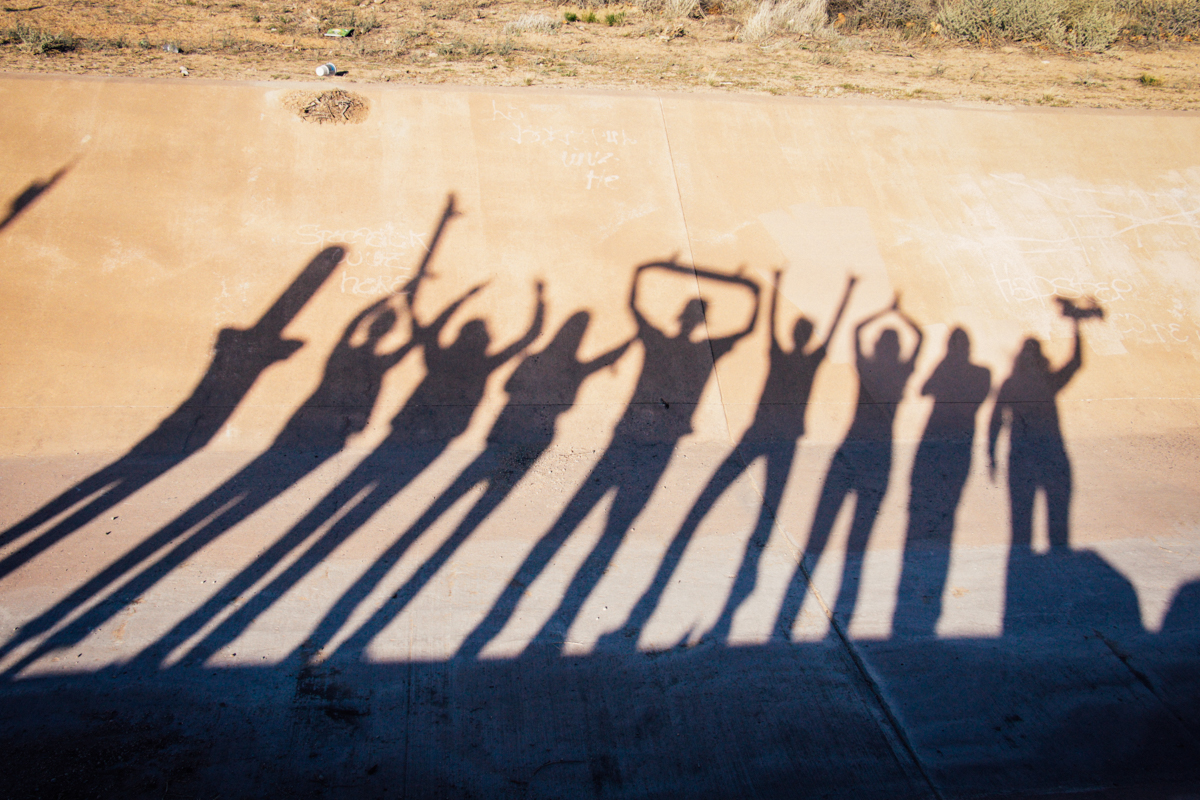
[579, 149]
[373, 285]
[1132, 325]
[1037, 287]
[385, 237]
[378, 261]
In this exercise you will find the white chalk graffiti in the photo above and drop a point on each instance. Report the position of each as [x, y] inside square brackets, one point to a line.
[385, 237]
[584, 147]
[1038, 287]
[373, 286]
[1164, 333]
[378, 260]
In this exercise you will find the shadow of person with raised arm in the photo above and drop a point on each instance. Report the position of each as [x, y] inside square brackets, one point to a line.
[439, 410]
[674, 372]
[339, 407]
[1063, 587]
[861, 466]
[1037, 456]
[239, 357]
[778, 425]
[540, 390]
[317, 431]
[939, 473]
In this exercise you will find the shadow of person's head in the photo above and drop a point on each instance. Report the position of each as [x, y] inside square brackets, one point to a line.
[802, 331]
[473, 338]
[887, 347]
[958, 346]
[1031, 358]
[381, 323]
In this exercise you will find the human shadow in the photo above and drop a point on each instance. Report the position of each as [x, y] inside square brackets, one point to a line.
[239, 357]
[674, 372]
[339, 407]
[1037, 455]
[542, 388]
[939, 473]
[778, 424]
[1037, 462]
[861, 466]
[438, 411]
[31, 193]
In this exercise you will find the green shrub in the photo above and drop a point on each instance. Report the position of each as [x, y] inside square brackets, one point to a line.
[1015, 20]
[1081, 24]
[1160, 19]
[896, 13]
[38, 41]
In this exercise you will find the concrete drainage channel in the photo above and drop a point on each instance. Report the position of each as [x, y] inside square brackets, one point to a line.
[473, 449]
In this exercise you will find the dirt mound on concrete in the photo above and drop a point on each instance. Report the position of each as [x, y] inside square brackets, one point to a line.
[336, 105]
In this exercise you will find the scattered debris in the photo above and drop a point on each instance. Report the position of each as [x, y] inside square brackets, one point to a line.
[337, 106]
[171, 47]
[183, 71]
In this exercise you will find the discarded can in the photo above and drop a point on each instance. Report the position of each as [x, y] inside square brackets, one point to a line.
[326, 69]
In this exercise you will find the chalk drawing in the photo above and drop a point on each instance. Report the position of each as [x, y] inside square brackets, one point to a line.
[1135, 249]
[378, 260]
[579, 149]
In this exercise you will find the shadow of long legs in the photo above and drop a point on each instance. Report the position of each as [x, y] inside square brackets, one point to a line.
[635, 473]
[779, 463]
[240, 356]
[589, 495]
[318, 430]
[939, 474]
[200, 525]
[728, 472]
[367, 489]
[501, 475]
[859, 468]
[779, 467]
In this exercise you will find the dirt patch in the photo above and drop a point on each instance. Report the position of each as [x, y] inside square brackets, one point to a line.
[597, 44]
[335, 106]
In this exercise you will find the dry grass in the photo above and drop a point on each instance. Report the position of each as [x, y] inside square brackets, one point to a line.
[532, 23]
[895, 49]
[774, 17]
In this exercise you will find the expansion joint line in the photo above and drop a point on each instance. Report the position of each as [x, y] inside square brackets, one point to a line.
[865, 675]
[691, 256]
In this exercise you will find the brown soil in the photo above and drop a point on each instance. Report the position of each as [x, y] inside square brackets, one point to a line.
[334, 105]
[473, 42]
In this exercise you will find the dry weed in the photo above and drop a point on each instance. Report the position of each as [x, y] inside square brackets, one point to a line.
[778, 16]
[532, 23]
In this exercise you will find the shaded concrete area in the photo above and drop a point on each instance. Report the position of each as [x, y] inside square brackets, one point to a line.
[518, 444]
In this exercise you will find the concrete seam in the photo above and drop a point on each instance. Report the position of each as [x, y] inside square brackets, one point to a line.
[860, 666]
[1145, 681]
[687, 232]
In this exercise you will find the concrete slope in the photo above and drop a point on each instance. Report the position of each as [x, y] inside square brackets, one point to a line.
[517, 443]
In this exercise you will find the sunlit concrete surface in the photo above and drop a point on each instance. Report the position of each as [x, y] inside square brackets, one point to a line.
[399, 457]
